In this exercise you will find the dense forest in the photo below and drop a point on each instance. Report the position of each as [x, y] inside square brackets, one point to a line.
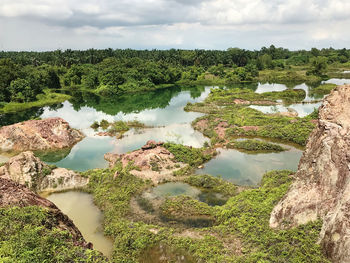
[38, 76]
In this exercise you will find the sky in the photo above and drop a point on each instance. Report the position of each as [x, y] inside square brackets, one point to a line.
[162, 24]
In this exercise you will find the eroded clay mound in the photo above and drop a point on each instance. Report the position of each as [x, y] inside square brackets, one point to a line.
[51, 133]
[322, 184]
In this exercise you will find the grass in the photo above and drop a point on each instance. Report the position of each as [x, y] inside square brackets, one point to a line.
[245, 217]
[31, 234]
[48, 98]
[227, 96]
[186, 210]
[291, 129]
[186, 154]
[293, 75]
[255, 145]
[323, 89]
[212, 183]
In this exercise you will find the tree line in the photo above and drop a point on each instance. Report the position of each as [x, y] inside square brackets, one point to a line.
[24, 75]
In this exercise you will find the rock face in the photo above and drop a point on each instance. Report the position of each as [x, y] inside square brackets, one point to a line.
[28, 170]
[153, 162]
[322, 182]
[51, 133]
[14, 194]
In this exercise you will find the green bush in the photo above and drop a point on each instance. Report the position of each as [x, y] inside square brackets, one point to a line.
[31, 234]
[212, 183]
[185, 154]
[255, 145]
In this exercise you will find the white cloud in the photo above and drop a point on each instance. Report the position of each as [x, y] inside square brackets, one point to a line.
[172, 23]
[43, 8]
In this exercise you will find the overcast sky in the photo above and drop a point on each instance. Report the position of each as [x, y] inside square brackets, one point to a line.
[162, 24]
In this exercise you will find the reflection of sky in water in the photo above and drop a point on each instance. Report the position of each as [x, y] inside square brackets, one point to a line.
[247, 169]
[337, 81]
[302, 109]
[88, 153]
[173, 113]
[267, 87]
[308, 97]
[87, 217]
[178, 133]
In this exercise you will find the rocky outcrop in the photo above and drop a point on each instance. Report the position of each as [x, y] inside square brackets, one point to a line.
[322, 183]
[51, 133]
[61, 179]
[14, 194]
[29, 170]
[152, 161]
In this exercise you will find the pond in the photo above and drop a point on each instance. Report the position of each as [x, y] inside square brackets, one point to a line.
[247, 169]
[303, 109]
[79, 207]
[162, 109]
[177, 188]
[166, 112]
[337, 81]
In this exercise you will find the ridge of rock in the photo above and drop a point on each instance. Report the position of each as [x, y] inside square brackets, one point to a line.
[322, 183]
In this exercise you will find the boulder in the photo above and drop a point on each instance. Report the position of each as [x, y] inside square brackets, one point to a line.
[29, 170]
[51, 133]
[151, 144]
[322, 183]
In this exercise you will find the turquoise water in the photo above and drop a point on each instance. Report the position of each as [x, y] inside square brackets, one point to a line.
[164, 110]
[248, 169]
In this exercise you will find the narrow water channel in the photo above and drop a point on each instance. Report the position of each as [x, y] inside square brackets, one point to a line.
[79, 207]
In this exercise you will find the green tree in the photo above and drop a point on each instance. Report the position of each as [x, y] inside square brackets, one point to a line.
[21, 91]
[53, 81]
[318, 66]
[9, 71]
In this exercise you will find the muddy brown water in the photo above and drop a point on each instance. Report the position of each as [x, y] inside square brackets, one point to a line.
[79, 207]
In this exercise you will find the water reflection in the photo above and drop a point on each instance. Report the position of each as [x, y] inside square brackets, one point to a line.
[302, 109]
[267, 87]
[337, 81]
[177, 133]
[247, 169]
[165, 112]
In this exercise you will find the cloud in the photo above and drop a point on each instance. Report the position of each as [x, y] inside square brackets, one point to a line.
[172, 23]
